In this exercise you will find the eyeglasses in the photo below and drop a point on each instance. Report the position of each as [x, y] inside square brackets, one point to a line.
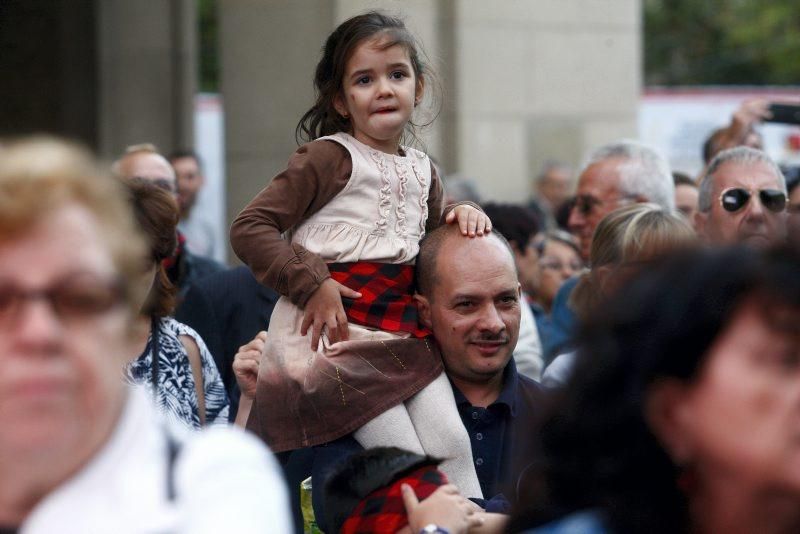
[736, 198]
[75, 298]
[557, 265]
[585, 204]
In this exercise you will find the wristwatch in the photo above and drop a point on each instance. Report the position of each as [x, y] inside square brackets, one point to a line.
[433, 529]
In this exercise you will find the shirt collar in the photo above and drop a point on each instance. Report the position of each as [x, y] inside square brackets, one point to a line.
[508, 394]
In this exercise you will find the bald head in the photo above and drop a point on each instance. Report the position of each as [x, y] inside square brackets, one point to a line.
[146, 165]
[442, 241]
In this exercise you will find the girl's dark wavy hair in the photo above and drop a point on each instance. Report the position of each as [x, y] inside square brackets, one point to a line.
[323, 119]
[598, 452]
[157, 215]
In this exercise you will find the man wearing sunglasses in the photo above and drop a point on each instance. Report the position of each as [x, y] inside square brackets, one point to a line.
[742, 199]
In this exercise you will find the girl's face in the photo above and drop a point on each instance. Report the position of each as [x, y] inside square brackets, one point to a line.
[379, 92]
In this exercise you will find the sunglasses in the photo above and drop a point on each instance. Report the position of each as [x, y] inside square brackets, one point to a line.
[72, 299]
[736, 198]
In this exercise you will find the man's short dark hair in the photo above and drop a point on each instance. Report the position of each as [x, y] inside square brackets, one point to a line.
[185, 153]
[681, 178]
[425, 269]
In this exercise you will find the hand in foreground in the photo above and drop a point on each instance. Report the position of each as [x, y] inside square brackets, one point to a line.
[246, 362]
[445, 507]
[324, 309]
[471, 221]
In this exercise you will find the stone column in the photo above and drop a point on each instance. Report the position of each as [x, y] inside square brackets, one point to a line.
[268, 51]
[147, 71]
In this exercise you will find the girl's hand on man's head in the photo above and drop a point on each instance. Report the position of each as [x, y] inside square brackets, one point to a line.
[471, 221]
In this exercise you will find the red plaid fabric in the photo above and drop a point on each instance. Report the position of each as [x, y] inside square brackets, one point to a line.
[383, 511]
[386, 301]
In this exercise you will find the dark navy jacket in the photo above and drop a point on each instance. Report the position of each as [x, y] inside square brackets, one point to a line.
[503, 438]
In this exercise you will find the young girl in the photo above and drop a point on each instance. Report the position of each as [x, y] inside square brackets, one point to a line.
[344, 352]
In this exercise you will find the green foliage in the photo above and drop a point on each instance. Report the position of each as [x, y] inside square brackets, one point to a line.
[705, 42]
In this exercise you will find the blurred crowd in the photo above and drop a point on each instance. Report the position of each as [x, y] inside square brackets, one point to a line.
[618, 354]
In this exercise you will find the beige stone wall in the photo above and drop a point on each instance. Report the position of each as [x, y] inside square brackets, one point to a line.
[541, 79]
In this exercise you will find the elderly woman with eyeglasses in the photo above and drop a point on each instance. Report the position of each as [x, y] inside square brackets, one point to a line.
[80, 450]
[559, 260]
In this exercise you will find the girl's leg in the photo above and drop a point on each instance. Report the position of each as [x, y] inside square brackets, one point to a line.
[392, 428]
[439, 427]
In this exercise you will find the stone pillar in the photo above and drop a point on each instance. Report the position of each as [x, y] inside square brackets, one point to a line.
[538, 80]
[48, 69]
[146, 74]
[268, 51]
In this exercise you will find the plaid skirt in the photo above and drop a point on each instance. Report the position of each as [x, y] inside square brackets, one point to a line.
[307, 397]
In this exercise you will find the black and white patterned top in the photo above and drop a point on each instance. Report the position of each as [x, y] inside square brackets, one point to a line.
[176, 393]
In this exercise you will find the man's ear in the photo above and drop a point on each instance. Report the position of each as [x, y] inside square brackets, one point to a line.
[666, 413]
[700, 222]
[424, 308]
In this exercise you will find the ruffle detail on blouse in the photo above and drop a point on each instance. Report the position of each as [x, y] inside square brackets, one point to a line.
[423, 197]
[343, 243]
[400, 210]
[385, 201]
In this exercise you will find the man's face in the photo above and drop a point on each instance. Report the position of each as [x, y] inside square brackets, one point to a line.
[474, 308]
[150, 167]
[598, 195]
[554, 187]
[686, 198]
[753, 223]
[793, 210]
[189, 180]
[61, 387]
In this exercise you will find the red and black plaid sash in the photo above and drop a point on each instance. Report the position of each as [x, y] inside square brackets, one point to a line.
[383, 511]
[386, 301]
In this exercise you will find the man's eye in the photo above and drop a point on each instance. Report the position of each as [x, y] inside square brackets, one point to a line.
[464, 304]
[509, 300]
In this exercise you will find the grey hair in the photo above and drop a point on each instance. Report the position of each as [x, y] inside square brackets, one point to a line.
[743, 155]
[646, 172]
[551, 165]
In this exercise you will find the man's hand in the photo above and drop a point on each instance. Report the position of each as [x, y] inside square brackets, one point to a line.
[471, 221]
[245, 365]
[324, 309]
[445, 507]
